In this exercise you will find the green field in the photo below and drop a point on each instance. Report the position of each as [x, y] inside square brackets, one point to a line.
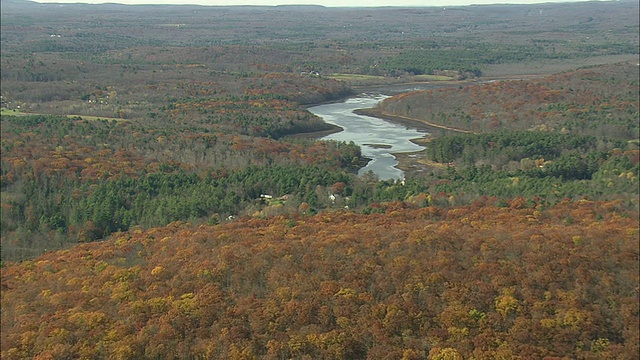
[5, 111]
[14, 112]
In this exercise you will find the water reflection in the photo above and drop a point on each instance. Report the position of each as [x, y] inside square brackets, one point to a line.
[378, 138]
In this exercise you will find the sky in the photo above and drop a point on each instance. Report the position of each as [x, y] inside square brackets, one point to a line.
[332, 3]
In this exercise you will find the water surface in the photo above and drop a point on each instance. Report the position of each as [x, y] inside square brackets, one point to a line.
[378, 138]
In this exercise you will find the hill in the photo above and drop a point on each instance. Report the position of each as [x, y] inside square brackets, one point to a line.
[595, 100]
[527, 137]
[516, 282]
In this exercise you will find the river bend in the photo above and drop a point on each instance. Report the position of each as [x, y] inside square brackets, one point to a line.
[379, 139]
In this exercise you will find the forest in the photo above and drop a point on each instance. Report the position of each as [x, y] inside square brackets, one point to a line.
[201, 115]
[484, 281]
[165, 194]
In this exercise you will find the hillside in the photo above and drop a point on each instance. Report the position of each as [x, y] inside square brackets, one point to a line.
[596, 100]
[516, 282]
[572, 132]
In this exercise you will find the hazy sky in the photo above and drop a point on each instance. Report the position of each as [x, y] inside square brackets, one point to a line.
[317, 2]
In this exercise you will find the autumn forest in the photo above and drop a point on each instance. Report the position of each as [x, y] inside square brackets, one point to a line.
[166, 195]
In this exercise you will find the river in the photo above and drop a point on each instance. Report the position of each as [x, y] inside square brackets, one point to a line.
[379, 139]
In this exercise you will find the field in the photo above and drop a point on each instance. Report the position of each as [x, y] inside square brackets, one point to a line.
[15, 112]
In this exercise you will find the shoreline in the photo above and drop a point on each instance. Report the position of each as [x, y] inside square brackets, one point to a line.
[315, 134]
[357, 90]
[412, 122]
[387, 89]
[413, 164]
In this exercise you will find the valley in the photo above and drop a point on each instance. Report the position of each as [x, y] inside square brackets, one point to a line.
[175, 183]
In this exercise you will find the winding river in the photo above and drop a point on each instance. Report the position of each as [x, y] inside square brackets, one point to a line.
[379, 139]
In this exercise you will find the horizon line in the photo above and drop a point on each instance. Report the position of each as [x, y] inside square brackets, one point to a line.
[205, 3]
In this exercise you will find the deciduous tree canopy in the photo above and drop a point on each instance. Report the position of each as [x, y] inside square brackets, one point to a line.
[522, 281]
